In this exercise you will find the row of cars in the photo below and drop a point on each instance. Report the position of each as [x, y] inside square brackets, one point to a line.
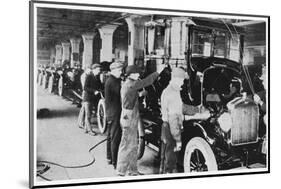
[66, 82]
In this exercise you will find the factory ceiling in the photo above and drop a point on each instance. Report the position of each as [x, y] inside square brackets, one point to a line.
[57, 25]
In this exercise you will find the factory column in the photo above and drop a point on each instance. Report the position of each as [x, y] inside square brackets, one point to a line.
[136, 38]
[75, 42]
[65, 51]
[58, 55]
[106, 33]
[88, 49]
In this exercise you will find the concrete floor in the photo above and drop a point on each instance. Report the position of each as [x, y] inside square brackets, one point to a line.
[60, 140]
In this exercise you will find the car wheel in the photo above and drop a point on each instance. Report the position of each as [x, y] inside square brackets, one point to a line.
[60, 86]
[199, 157]
[141, 141]
[101, 116]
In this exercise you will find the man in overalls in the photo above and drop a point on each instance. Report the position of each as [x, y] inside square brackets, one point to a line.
[172, 116]
[128, 149]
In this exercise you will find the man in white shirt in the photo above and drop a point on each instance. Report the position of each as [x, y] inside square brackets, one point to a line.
[172, 116]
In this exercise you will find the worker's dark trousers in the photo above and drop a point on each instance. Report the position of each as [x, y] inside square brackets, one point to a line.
[114, 133]
[168, 158]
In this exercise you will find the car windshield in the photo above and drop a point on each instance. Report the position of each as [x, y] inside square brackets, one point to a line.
[201, 43]
[215, 43]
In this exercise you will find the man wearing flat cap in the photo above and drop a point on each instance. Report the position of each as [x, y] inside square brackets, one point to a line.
[113, 111]
[81, 117]
[91, 89]
[172, 116]
[128, 149]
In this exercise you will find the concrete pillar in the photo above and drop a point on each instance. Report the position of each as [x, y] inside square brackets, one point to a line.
[52, 56]
[178, 37]
[58, 54]
[75, 42]
[106, 34]
[136, 37]
[65, 51]
[88, 49]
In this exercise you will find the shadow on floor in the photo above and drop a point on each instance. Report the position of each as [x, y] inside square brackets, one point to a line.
[47, 113]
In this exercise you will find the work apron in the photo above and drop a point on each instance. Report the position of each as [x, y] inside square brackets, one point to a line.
[128, 148]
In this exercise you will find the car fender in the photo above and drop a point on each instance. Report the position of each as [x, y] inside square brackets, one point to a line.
[195, 128]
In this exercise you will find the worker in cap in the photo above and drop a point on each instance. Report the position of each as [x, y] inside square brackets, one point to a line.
[116, 66]
[172, 116]
[128, 148]
[113, 111]
[81, 117]
[90, 96]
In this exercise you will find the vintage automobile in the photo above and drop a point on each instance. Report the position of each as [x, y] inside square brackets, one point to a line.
[69, 84]
[225, 128]
[227, 131]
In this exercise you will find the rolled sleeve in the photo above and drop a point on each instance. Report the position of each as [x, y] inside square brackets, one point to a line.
[145, 82]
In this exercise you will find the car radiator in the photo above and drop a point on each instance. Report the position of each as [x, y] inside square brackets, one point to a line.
[245, 122]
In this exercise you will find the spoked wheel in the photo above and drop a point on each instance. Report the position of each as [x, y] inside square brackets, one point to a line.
[199, 156]
[51, 83]
[60, 86]
[141, 141]
[101, 116]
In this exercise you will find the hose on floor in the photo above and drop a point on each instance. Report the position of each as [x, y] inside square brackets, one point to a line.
[70, 167]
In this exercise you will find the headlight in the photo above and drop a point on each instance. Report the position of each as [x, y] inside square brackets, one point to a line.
[225, 122]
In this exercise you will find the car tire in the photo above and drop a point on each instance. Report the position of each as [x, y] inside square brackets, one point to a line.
[197, 149]
[141, 140]
[101, 116]
[60, 86]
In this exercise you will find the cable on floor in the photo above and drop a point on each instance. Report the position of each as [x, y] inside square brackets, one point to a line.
[70, 167]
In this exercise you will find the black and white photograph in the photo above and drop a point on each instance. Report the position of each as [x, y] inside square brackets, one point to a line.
[126, 94]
